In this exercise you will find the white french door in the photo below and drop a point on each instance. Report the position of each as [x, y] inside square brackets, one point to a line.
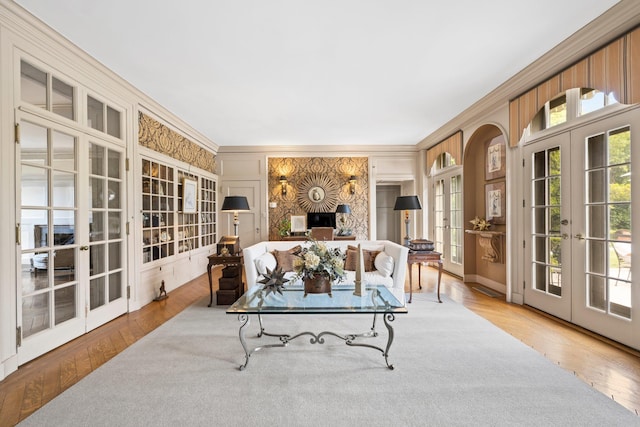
[548, 218]
[580, 226]
[447, 214]
[71, 251]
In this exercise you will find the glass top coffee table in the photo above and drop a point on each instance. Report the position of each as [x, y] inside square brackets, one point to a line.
[375, 300]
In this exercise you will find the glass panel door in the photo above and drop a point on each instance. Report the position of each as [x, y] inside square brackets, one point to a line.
[547, 243]
[50, 295]
[606, 300]
[448, 231]
[106, 233]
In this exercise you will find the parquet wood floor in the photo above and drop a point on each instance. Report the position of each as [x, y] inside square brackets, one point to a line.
[610, 368]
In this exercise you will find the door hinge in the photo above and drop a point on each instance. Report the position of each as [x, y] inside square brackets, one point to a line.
[524, 285]
[86, 310]
[524, 244]
[523, 205]
[128, 291]
[18, 233]
[18, 336]
[126, 164]
[127, 228]
[17, 133]
[522, 162]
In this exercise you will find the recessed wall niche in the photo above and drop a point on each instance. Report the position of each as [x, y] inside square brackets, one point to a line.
[337, 170]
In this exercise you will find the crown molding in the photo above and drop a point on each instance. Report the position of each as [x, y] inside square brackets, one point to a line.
[321, 150]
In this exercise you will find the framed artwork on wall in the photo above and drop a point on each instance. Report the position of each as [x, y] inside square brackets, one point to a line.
[298, 223]
[495, 202]
[495, 158]
[189, 193]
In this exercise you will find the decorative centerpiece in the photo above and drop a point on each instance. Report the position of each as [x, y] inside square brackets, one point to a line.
[318, 267]
[273, 281]
[480, 224]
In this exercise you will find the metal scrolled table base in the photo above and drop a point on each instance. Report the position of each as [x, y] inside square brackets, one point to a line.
[285, 339]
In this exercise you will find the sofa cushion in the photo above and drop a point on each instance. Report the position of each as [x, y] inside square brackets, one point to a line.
[285, 259]
[351, 261]
[384, 264]
[266, 261]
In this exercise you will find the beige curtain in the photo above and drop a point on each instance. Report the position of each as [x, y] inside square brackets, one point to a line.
[451, 145]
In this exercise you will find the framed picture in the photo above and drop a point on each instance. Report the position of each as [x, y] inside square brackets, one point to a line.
[495, 202]
[189, 195]
[298, 223]
[495, 158]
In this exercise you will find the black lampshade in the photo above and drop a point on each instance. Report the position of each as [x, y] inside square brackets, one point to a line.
[343, 209]
[235, 203]
[410, 203]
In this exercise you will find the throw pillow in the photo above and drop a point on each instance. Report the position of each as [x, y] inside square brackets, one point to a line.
[264, 261]
[352, 259]
[384, 263]
[285, 259]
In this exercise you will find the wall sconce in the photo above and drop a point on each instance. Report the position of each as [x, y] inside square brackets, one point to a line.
[352, 184]
[283, 182]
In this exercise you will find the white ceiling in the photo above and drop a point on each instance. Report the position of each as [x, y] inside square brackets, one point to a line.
[330, 72]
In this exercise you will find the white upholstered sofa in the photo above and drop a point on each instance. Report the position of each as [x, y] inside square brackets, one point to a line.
[390, 266]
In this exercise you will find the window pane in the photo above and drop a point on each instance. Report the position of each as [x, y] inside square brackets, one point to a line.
[35, 185]
[62, 99]
[64, 189]
[95, 114]
[96, 159]
[558, 111]
[33, 144]
[113, 122]
[596, 155]
[591, 100]
[33, 85]
[63, 151]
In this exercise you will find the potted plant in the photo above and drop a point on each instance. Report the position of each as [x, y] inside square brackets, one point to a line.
[284, 229]
[319, 266]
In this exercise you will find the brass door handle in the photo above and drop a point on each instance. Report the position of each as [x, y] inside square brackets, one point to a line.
[84, 248]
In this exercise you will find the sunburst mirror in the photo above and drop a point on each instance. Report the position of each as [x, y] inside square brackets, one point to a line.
[318, 193]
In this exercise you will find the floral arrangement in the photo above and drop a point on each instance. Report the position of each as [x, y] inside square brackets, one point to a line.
[480, 224]
[317, 259]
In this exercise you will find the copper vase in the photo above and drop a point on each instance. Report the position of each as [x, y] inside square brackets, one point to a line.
[318, 284]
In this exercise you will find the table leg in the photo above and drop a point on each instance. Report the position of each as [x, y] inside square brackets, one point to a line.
[439, 276]
[410, 283]
[210, 286]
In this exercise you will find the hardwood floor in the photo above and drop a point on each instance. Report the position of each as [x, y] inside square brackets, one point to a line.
[610, 368]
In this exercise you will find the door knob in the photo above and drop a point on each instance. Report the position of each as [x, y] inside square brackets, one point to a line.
[564, 222]
[579, 236]
[565, 236]
[84, 248]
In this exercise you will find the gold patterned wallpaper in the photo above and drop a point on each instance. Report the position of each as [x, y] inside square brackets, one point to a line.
[158, 137]
[330, 173]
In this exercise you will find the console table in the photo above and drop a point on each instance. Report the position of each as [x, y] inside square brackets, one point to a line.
[226, 261]
[418, 257]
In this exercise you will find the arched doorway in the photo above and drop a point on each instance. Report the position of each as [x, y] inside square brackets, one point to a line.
[485, 258]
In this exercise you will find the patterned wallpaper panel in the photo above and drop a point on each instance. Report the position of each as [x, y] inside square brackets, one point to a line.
[333, 172]
[158, 137]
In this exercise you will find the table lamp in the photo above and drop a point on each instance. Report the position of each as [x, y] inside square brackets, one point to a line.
[235, 204]
[344, 210]
[407, 203]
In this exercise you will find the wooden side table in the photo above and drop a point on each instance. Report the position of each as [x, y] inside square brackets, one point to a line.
[419, 257]
[226, 261]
